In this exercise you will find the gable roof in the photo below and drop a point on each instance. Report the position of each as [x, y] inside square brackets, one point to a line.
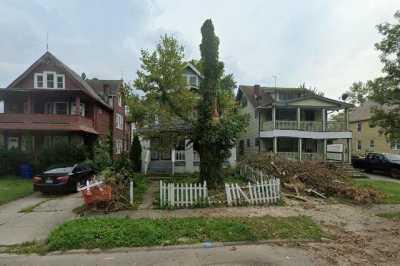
[98, 85]
[251, 92]
[321, 98]
[364, 111]
[265, 98]
[195, 70]
[49, 56]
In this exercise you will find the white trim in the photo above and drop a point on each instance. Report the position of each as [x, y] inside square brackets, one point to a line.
[35, 84]
[63, 83]
[191, 66]
[305, 134]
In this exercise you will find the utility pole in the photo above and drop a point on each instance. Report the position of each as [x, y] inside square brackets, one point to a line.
[275, 78]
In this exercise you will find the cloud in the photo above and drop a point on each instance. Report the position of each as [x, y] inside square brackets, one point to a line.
[326, 44]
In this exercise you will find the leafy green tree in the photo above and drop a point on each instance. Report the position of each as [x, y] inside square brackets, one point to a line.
[357, 94]
[385, 90]
[211, 117]
[135, 154]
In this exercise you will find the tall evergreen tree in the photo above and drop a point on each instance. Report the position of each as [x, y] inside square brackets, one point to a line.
[135, 154]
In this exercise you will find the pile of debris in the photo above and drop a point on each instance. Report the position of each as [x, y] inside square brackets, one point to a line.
[318, 178]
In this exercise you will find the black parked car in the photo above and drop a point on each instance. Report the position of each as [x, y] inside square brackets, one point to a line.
[383, 162]
[64, 178]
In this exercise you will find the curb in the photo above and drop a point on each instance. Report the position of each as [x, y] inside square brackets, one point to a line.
[205, 245]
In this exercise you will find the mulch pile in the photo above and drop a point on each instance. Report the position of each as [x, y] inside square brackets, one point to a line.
[317, 178]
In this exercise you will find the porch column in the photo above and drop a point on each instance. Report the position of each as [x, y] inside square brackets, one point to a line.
[349, 150]
[188, 156]
[77, 105]
[273, 117]
[275, 145]
[346, 118]
[324, 149]
[323, 119]
[300, 147]
[173, 160]
[29, 105]
[298, 117]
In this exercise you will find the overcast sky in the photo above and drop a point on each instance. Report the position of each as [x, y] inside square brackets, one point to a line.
[324, 44]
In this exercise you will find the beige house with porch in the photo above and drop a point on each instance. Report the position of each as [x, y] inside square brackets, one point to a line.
[293, 123]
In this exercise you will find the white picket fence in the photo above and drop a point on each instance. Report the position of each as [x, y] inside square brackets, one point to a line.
[183, 195]
[261, 192]
[252, 174]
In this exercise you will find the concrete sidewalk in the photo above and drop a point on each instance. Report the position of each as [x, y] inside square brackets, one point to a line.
[17, 227]
[233, 255]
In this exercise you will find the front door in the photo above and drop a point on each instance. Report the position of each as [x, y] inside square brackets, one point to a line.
[166, 155]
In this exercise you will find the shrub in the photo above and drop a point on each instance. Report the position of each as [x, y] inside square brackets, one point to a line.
[102, 157]
[11, 159]
[135, 154]
[61, 153]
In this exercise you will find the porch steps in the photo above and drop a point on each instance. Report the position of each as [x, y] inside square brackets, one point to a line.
[350, 171]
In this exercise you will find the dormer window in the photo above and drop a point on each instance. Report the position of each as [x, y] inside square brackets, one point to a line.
[192, 80]
[49, 80]
[38, 80]
[60, 82]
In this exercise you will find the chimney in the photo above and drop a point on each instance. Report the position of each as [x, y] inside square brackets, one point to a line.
[257, 94]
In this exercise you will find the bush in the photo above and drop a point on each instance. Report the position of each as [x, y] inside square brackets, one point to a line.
[11, 159]
[135, 154]
[102, 157]
[61, 153]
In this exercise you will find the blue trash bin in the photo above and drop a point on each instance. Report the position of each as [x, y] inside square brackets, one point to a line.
[25, 170]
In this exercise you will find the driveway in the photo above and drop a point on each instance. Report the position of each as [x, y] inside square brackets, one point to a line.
[381, 177]
[43, 213]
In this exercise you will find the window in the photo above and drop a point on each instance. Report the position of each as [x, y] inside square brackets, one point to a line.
[119, 121]
[359, 146]
[38, 83]
[359, 126]
[60, 108]
[50, 80]
[248, 142]
[60, 82]
[193, 81]
[372, 144]
[396, 146]
[241, 147]
[257, 143]
[13, 143]
[1, 140]
[118, 146]
[1, 107]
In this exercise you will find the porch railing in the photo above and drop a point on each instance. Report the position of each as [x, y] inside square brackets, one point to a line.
[289, 155]
[335, 126]
[304, 125]
[179, 155]
[311, 156]
[311, 125]
[286, 124]
[196, 156]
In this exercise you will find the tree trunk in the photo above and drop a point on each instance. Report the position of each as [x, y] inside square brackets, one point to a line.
[211, 165]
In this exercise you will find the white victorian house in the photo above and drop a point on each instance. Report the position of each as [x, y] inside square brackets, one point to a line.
[293, 123]
[182, 158]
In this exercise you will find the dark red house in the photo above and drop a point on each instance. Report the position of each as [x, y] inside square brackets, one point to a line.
[49, 103]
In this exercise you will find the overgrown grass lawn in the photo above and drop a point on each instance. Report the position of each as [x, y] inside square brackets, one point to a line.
[390, 189]
[123, 232]
[391, 215]
[12, 188]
